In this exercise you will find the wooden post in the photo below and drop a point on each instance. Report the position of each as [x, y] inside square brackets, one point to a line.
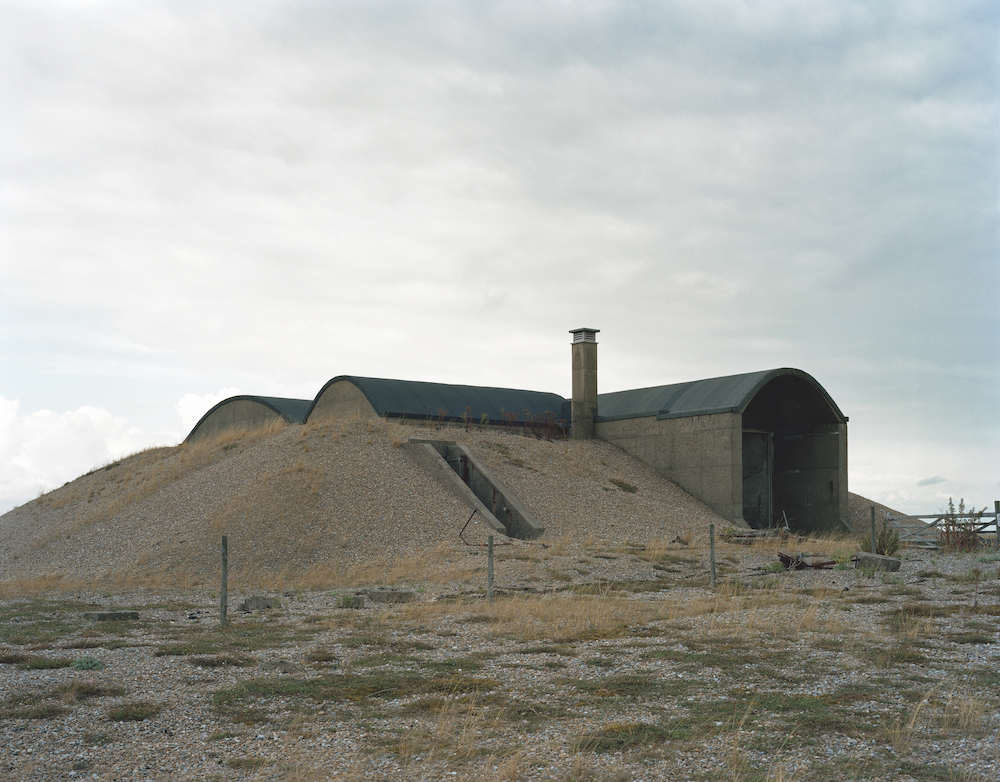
[711, 550]
[996, 524]
[489, 570]
[873, 530]
[224, 594]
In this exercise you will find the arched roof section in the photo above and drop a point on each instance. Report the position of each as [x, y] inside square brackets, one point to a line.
[730, 394]
[421, 400]
[246, 411]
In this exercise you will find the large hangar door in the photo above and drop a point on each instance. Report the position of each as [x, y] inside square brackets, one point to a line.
[758, 466]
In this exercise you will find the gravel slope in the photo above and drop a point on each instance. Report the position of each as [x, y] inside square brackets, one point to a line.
[335, 495]
[321, 500]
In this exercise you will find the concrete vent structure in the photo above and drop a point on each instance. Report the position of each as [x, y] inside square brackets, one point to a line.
[471, 483]
[584, 402]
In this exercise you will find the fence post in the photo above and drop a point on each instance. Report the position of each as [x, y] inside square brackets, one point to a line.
[711, 550]
[489, 570]
[996, 524]
[224, 593]
[873, 530]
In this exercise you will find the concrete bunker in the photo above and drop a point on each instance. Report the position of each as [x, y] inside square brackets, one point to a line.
[756, 448]
[248, 412]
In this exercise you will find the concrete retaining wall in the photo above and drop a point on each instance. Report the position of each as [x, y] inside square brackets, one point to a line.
[469, 481]
[702, 454]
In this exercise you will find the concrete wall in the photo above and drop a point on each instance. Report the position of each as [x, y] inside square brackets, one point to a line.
[702, 454]
[240, 414]
[340, 400]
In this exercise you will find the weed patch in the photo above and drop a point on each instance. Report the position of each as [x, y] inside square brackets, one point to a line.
[222, 661]
[625, 486]
[39, 623]
[630, 686]
[245, 764]
[134, 712]
[621, 736]
[46, 663]
[248, 702]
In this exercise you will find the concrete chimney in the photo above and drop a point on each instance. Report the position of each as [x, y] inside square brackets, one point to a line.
[584, 349]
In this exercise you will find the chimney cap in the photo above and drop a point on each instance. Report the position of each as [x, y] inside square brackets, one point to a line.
[584, 335]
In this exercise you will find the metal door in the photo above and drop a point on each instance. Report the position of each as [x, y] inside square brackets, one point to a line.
[758, 467]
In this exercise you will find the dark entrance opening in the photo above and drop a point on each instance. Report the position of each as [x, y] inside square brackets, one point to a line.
[758, 469]
[791, 427]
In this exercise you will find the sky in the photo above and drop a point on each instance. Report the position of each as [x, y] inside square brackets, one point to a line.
[200, 198]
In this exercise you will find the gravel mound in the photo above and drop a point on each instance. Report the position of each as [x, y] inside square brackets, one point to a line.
[324, 499]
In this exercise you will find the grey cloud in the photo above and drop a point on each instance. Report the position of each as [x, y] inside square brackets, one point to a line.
[931, 481]
[718, 190]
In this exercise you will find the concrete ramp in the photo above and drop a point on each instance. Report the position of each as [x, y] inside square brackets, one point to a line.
[469, 481]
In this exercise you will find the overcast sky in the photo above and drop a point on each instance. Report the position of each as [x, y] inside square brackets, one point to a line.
[203, 198]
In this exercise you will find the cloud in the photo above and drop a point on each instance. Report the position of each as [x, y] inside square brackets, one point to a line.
[271, 194]
[930, 481]
[43, 450]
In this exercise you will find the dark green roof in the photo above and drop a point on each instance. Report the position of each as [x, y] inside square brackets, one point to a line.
[422, 400]
[418, 399]
[700, 397]
[292, 410]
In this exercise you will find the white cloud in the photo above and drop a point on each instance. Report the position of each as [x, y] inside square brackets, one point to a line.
[191, 407]
[43, 450]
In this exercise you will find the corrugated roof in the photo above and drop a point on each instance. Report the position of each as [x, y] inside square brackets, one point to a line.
[698, 397]
[418, 399]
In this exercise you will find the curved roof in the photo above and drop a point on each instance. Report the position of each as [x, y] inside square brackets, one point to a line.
[418, 399]
[729, 394]
[292, 410]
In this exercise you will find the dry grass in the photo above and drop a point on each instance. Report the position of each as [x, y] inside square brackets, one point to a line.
[955, 713]
[558, 618]
[35, 585]
[960, 713]
[757, 732]
[454, 734]
[134, 478]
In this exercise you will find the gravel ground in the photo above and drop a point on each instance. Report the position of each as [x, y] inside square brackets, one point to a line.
[641, 673]
[819, 636]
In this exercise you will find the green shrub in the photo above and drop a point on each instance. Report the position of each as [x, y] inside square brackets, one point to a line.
[886, 540]
[959, 525]
[87, 663]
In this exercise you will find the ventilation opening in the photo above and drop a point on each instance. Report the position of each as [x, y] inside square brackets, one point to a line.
[479, 488]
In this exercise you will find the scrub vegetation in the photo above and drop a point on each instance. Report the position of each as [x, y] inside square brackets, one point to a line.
[812, 676]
